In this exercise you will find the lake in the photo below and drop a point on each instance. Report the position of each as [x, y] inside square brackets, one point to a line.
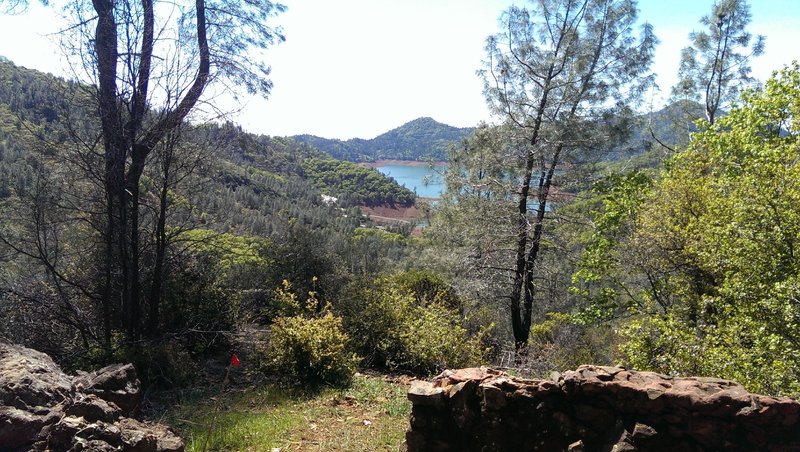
[425, 181]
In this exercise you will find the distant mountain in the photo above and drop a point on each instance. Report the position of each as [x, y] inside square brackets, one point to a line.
[670, 126]
[420, 139]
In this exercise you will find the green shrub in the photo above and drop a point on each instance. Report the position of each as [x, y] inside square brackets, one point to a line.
[428, 287]
[165, 364]
[197, 304]
[311, 350]
[736, 348]
[162, 363]
[561, 342]
[397, 329]
[282, 303]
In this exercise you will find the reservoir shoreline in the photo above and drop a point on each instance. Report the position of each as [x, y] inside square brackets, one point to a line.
[413, 163]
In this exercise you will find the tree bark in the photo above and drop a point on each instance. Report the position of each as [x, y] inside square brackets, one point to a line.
[123, 176]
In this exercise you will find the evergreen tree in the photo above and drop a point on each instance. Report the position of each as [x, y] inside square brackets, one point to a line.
[716, 64]
[558, 76]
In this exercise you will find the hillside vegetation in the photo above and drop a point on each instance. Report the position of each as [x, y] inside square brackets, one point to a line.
[420, 139]
[247, 234]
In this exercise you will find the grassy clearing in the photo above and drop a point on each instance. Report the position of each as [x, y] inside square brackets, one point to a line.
[371, 415]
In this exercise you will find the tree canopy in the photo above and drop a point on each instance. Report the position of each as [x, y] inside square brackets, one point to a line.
[711, 275]
[716, 64]
[553, 75]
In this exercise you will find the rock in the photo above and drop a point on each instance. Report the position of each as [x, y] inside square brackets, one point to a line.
[42, 408]
[643, 432]
[598, 419]
[424, 393]
[493, 397]
[450, 377]
[463, 403]
[94, 445]
[60, 435]
[19, 427]
[136, 436]
[93, 407]
[597, 408]
[623, 446]
[116, 383]
[29, 378]
[577, 446]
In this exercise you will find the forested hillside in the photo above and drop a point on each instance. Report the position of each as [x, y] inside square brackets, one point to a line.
[246, 166]
[420, 139]
[242, 213]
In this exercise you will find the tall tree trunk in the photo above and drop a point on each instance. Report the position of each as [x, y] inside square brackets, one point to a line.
[523, 227]
[160, 254]
[127, 139]
[527, 257]
[114, 151]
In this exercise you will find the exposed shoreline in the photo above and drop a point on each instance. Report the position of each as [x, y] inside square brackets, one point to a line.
[415, 163]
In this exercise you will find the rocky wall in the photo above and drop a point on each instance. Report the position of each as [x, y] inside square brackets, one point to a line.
[596, 409]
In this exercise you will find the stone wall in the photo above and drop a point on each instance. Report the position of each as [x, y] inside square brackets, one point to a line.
[596, 409]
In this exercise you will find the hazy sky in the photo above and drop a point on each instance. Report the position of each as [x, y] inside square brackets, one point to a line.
[357, 68]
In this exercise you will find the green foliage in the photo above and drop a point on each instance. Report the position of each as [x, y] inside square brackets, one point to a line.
[561, 341]
[355, 184]
[599, 280]
[739, 347]
[230, 251]
[396, 328]
[715, 66]
[199, 303]
[307, 345]
[375, 249]
[163, 364]
[428, 288]
[662, 343]
[367, 234]
[718, 237]
[284, 303]
[203, 292]
[473, 225]
[307, 259]
[311, 350]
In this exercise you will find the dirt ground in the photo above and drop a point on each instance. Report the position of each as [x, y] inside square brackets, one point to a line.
[386, 214]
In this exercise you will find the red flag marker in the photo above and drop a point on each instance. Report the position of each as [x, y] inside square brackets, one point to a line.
[235, 360]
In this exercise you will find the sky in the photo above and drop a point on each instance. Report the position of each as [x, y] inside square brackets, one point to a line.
[358, 68]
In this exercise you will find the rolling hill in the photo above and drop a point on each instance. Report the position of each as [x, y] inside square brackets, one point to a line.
[420, 139]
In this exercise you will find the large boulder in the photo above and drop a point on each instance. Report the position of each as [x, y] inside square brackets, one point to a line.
[30, 378]
[42, 408]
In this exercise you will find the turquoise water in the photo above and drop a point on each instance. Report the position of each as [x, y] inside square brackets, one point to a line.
[426, 181]
[423, 180]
